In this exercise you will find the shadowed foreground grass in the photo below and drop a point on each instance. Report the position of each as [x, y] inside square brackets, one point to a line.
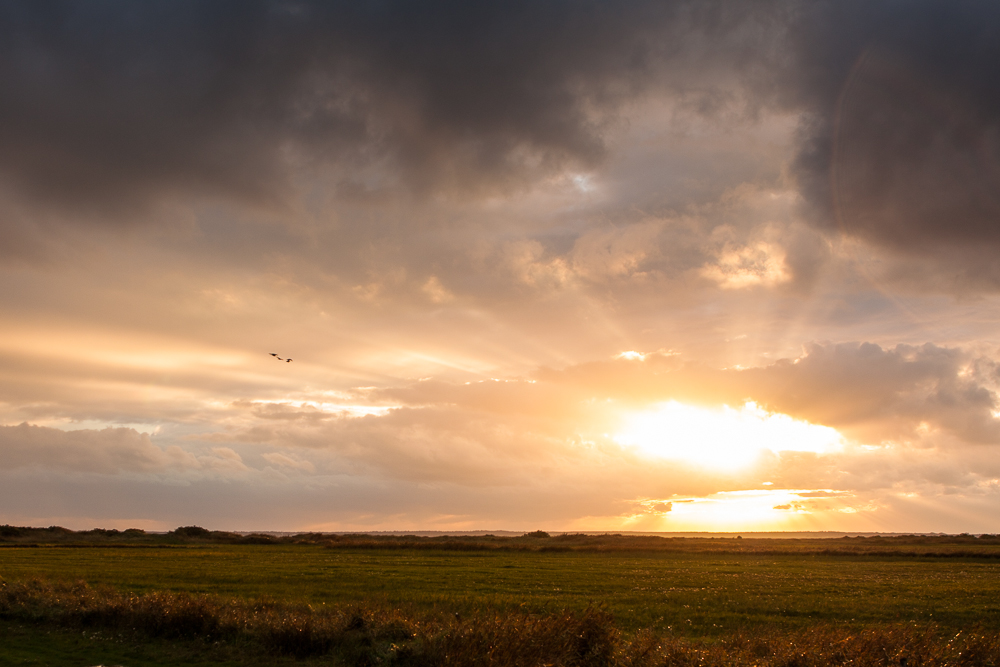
[241, 631]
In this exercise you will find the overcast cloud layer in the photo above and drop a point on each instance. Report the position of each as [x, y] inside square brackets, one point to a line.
[518, 252]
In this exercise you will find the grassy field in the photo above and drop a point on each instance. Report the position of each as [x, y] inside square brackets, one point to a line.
[699, 592]
[694, 594]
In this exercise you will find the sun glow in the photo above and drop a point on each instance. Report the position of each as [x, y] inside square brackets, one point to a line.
[723, 438]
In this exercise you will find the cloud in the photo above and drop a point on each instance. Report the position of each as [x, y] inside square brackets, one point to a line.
[919, 418]
[285, 461]
[522, 430]
[108, 107]
[902, 143]
[457, 216]
[748, 266]
[655, 506]
[888, 394]
[432, 444]
[110, 451]
[322, 109]
[907, 413]
[616, 253]
[910, 393]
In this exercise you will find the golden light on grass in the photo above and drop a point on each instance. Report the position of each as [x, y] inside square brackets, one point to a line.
[724, 438]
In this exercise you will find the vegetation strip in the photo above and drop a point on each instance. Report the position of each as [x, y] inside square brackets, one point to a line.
[985, 546]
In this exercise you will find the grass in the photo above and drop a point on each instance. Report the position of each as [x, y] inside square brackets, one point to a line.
[526, 601]
[694, 594]
[232, 631]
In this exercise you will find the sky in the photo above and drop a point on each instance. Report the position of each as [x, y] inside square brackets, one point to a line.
[572, 265]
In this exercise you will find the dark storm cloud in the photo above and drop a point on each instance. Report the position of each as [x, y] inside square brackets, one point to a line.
[113, 104]
[903, 142]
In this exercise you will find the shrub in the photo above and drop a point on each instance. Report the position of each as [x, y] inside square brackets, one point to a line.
[10, 531]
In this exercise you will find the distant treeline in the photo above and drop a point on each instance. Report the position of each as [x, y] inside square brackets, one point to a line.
[942, 546]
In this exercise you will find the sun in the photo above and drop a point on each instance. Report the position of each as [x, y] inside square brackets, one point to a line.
[724, 438]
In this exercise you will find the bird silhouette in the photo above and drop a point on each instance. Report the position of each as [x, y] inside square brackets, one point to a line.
[275, 355]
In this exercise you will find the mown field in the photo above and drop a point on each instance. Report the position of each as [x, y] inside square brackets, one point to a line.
[696, 592]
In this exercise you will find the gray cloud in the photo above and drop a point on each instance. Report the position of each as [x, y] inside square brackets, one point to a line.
[902, 145]
[106, 451]
[110, 450]
[107, 106]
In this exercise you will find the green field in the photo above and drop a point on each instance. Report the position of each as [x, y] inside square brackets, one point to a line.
[695, 594]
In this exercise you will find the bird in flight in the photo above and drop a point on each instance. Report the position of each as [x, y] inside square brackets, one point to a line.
[275, 355]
